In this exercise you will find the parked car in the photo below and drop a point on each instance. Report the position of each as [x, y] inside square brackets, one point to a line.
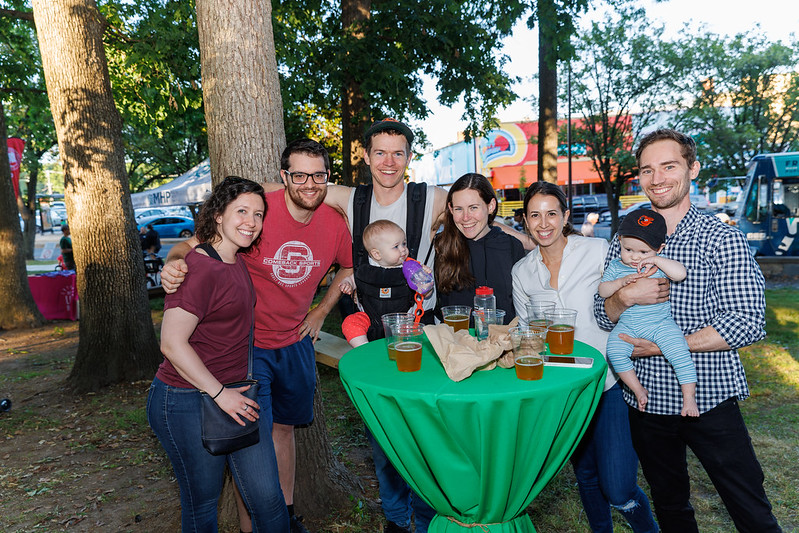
[148, 212]
[169, 226]
[36, 219]
[589, 203]
[700, 202]
[697, 199]
[179, 210]
[604, 218]
[58, 215]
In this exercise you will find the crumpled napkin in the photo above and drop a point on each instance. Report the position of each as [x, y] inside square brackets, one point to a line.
[461, 354]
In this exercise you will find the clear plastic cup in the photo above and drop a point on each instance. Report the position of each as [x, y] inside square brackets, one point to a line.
[527, 339]
[390, 320]
[484, 318]
[536, 312]
[560, 331]
[408, 346]
[529, 367]
[456, 316]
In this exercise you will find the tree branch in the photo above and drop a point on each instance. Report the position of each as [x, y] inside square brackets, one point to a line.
[15, 14]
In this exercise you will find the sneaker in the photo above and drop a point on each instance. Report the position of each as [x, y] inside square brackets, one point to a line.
[295, 525]
[391, 527]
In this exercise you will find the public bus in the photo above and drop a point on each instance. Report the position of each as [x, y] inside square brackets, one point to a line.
[768, 210]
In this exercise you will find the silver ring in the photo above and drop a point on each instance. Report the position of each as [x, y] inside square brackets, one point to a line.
[246, 407]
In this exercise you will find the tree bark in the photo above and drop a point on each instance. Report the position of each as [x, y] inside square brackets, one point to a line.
[244, 113]
[322, 481]
[117, 341]
[18, 309]
[548, 95]
[28, 208]
[241, 89]
[355, 115]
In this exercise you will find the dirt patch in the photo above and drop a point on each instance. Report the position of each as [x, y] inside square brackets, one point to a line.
[76, 462]
[90, 462]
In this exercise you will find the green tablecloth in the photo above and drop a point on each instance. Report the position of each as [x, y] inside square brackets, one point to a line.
[478, 451]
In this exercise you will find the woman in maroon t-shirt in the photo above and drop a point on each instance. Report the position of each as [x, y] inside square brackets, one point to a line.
[205, 340]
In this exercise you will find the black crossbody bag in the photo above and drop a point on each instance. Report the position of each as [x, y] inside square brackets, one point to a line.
[220, 433]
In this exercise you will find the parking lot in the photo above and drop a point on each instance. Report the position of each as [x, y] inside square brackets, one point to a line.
[46, 249]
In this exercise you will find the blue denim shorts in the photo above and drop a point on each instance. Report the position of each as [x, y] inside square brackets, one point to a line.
[286, 379]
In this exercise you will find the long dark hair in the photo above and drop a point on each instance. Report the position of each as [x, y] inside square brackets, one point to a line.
[223, 194]
[549, 189]
[452, 248]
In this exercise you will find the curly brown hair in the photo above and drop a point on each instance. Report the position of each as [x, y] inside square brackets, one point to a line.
[223, 194]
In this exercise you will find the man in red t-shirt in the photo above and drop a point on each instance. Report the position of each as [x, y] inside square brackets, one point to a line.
[302, 238]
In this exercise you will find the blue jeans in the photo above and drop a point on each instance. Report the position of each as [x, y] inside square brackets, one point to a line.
[606, 468]
[397, 497]
[720, 441]
[174, 413]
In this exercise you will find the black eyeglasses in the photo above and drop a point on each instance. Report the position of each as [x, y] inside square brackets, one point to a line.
[298, 178]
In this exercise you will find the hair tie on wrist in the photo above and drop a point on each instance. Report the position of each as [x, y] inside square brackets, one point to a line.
[218, 393]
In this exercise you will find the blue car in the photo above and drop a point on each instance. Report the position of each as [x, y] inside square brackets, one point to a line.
[169, 226]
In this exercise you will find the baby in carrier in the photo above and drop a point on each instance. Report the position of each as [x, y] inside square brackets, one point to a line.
[382, 289]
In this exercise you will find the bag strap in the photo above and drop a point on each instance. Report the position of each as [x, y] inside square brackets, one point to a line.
[361, 205]
[207, 248]
[249, 346]
[252, 323]
[430, 250]
[414, 225]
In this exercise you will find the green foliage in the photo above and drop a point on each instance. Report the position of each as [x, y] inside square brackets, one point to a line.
[744, 99]
[623, 67]
[386, 55]
[23, 89]
[153, 59]
[556, 19]
[154, 63]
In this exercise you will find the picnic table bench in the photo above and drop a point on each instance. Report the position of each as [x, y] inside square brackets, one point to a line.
[330, 348]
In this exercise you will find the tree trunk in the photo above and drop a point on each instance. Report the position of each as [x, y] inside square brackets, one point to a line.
[18, 309]
[244, 113]
[28, 208]
[548, 95]
[322, 481]
[354, 120]
[241, 89]
[355, 114]
[117, 341]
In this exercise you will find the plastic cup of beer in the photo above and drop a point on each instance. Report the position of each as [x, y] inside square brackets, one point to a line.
[389, 320]
[483, 318]
[408, 346]
[560, 332]
[537, 310]
[526, 340]
[456, 316]
[529, 366]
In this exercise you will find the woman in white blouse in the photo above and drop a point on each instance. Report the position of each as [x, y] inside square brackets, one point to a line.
[566, 268]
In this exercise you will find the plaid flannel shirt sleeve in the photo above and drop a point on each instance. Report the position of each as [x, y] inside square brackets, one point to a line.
[739, 287]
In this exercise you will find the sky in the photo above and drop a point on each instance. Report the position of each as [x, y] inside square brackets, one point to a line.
[727, 17]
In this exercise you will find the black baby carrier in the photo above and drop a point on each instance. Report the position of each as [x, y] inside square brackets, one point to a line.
[385, 290]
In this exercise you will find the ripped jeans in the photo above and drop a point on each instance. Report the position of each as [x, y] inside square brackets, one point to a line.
[606, 468]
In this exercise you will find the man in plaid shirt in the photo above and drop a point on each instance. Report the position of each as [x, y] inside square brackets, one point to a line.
[720, 307]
